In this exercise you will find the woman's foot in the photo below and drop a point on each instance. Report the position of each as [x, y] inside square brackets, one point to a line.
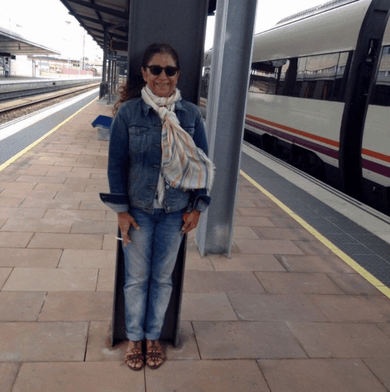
[134, 358]
[154, 354]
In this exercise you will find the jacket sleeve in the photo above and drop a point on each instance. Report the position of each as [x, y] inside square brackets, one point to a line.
[118, 164]
[199, 199]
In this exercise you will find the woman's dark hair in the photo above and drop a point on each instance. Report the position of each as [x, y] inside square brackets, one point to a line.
[134, 86]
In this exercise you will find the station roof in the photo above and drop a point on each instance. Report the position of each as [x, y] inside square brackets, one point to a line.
[12, 44]
[96, 15]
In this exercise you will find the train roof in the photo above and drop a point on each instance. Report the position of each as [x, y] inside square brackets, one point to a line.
[335, 30]
[315, 10]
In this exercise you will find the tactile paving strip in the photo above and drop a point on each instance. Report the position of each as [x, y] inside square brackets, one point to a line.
[365, 248]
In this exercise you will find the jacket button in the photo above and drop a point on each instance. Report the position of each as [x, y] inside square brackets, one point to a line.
[166, 186]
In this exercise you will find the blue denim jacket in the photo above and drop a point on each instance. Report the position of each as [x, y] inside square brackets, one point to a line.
[135, 158]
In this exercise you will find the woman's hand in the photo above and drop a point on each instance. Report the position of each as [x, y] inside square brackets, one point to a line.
[125, 221]
[190, 221]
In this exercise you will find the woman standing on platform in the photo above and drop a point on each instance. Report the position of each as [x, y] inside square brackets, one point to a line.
[159, 175]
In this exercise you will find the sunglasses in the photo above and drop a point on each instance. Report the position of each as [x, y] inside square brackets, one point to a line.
[156, 70]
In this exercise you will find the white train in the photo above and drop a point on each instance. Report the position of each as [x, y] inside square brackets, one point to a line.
[320, 93]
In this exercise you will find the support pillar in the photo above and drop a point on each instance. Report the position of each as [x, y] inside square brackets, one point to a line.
[226, 107]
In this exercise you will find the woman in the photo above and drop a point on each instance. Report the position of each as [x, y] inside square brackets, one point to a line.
[159, 175]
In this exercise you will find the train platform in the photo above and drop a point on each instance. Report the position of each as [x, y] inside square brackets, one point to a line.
[287, 312]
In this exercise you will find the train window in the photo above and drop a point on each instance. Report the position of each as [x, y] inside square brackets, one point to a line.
[341, 79]
[264, 78]
[314, 77]
[381, 93]
[319, 76]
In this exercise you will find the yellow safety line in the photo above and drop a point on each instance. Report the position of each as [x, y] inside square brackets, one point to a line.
[353, 264]
[20, 153]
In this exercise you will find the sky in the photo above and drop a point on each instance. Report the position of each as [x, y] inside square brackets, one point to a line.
[48, 23]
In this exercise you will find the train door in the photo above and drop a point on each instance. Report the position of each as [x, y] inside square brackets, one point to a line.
[376, 134]
[360, 85]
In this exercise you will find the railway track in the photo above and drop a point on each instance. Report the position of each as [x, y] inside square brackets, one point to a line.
[39, 97]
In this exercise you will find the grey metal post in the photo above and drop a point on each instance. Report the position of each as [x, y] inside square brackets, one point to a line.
[226, 106]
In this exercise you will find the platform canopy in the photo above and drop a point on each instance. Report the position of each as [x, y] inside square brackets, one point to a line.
[13, 44]
[97, 15]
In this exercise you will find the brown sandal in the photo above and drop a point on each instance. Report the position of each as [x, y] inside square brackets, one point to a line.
[133, 356]
[154, 354]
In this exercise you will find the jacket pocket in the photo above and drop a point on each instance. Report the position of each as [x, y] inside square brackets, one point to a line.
[139, 139]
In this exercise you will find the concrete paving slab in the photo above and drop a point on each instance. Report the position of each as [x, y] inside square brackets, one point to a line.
[51, 279]
[4, 274]
[65, 241]
[206, 376]
[245, 211]
[251, 221]
[80, 258]
[15, 240]
[320, 375]
[297, 283]
[77, 306]
[354, 309]
[342, 340]
[195, 262]
[238, 340]
[354, 284]
[221, 282]
[30, 194]
[241, 232]
[10, 212]
[74, 215]
[24, 306]
[96, 227]
[80, 376]
[41, 179]
[8, 372]
[207, 307]
[244, 202]
[37, 225]
[325, 264]
[385, 328]
[380, 367]
[32, 258]
[276, 307]
[50, 204]
[267, 247]
[106, 279]
[6, 201]
[278, 233]
[313, 248]
[31, 341]
[188, 349]
[99, 348]
[50, 187]
[246, 262]
[284, 222]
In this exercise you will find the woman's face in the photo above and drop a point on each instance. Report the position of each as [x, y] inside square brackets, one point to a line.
[161, 85]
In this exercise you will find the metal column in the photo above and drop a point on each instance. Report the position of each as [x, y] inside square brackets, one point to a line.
[226, 106]
[103, 84]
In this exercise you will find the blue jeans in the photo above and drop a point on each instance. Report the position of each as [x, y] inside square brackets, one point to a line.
[149, 262]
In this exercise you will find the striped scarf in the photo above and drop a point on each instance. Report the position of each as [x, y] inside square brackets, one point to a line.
[183, 164]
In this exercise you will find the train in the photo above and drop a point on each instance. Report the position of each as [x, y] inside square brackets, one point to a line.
[319, 95]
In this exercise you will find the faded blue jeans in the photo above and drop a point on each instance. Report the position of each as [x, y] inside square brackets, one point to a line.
[149, 262]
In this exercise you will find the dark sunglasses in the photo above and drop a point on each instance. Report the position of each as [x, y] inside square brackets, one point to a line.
[156, 70]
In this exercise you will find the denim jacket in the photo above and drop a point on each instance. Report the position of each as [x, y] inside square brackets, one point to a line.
[135, 158]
